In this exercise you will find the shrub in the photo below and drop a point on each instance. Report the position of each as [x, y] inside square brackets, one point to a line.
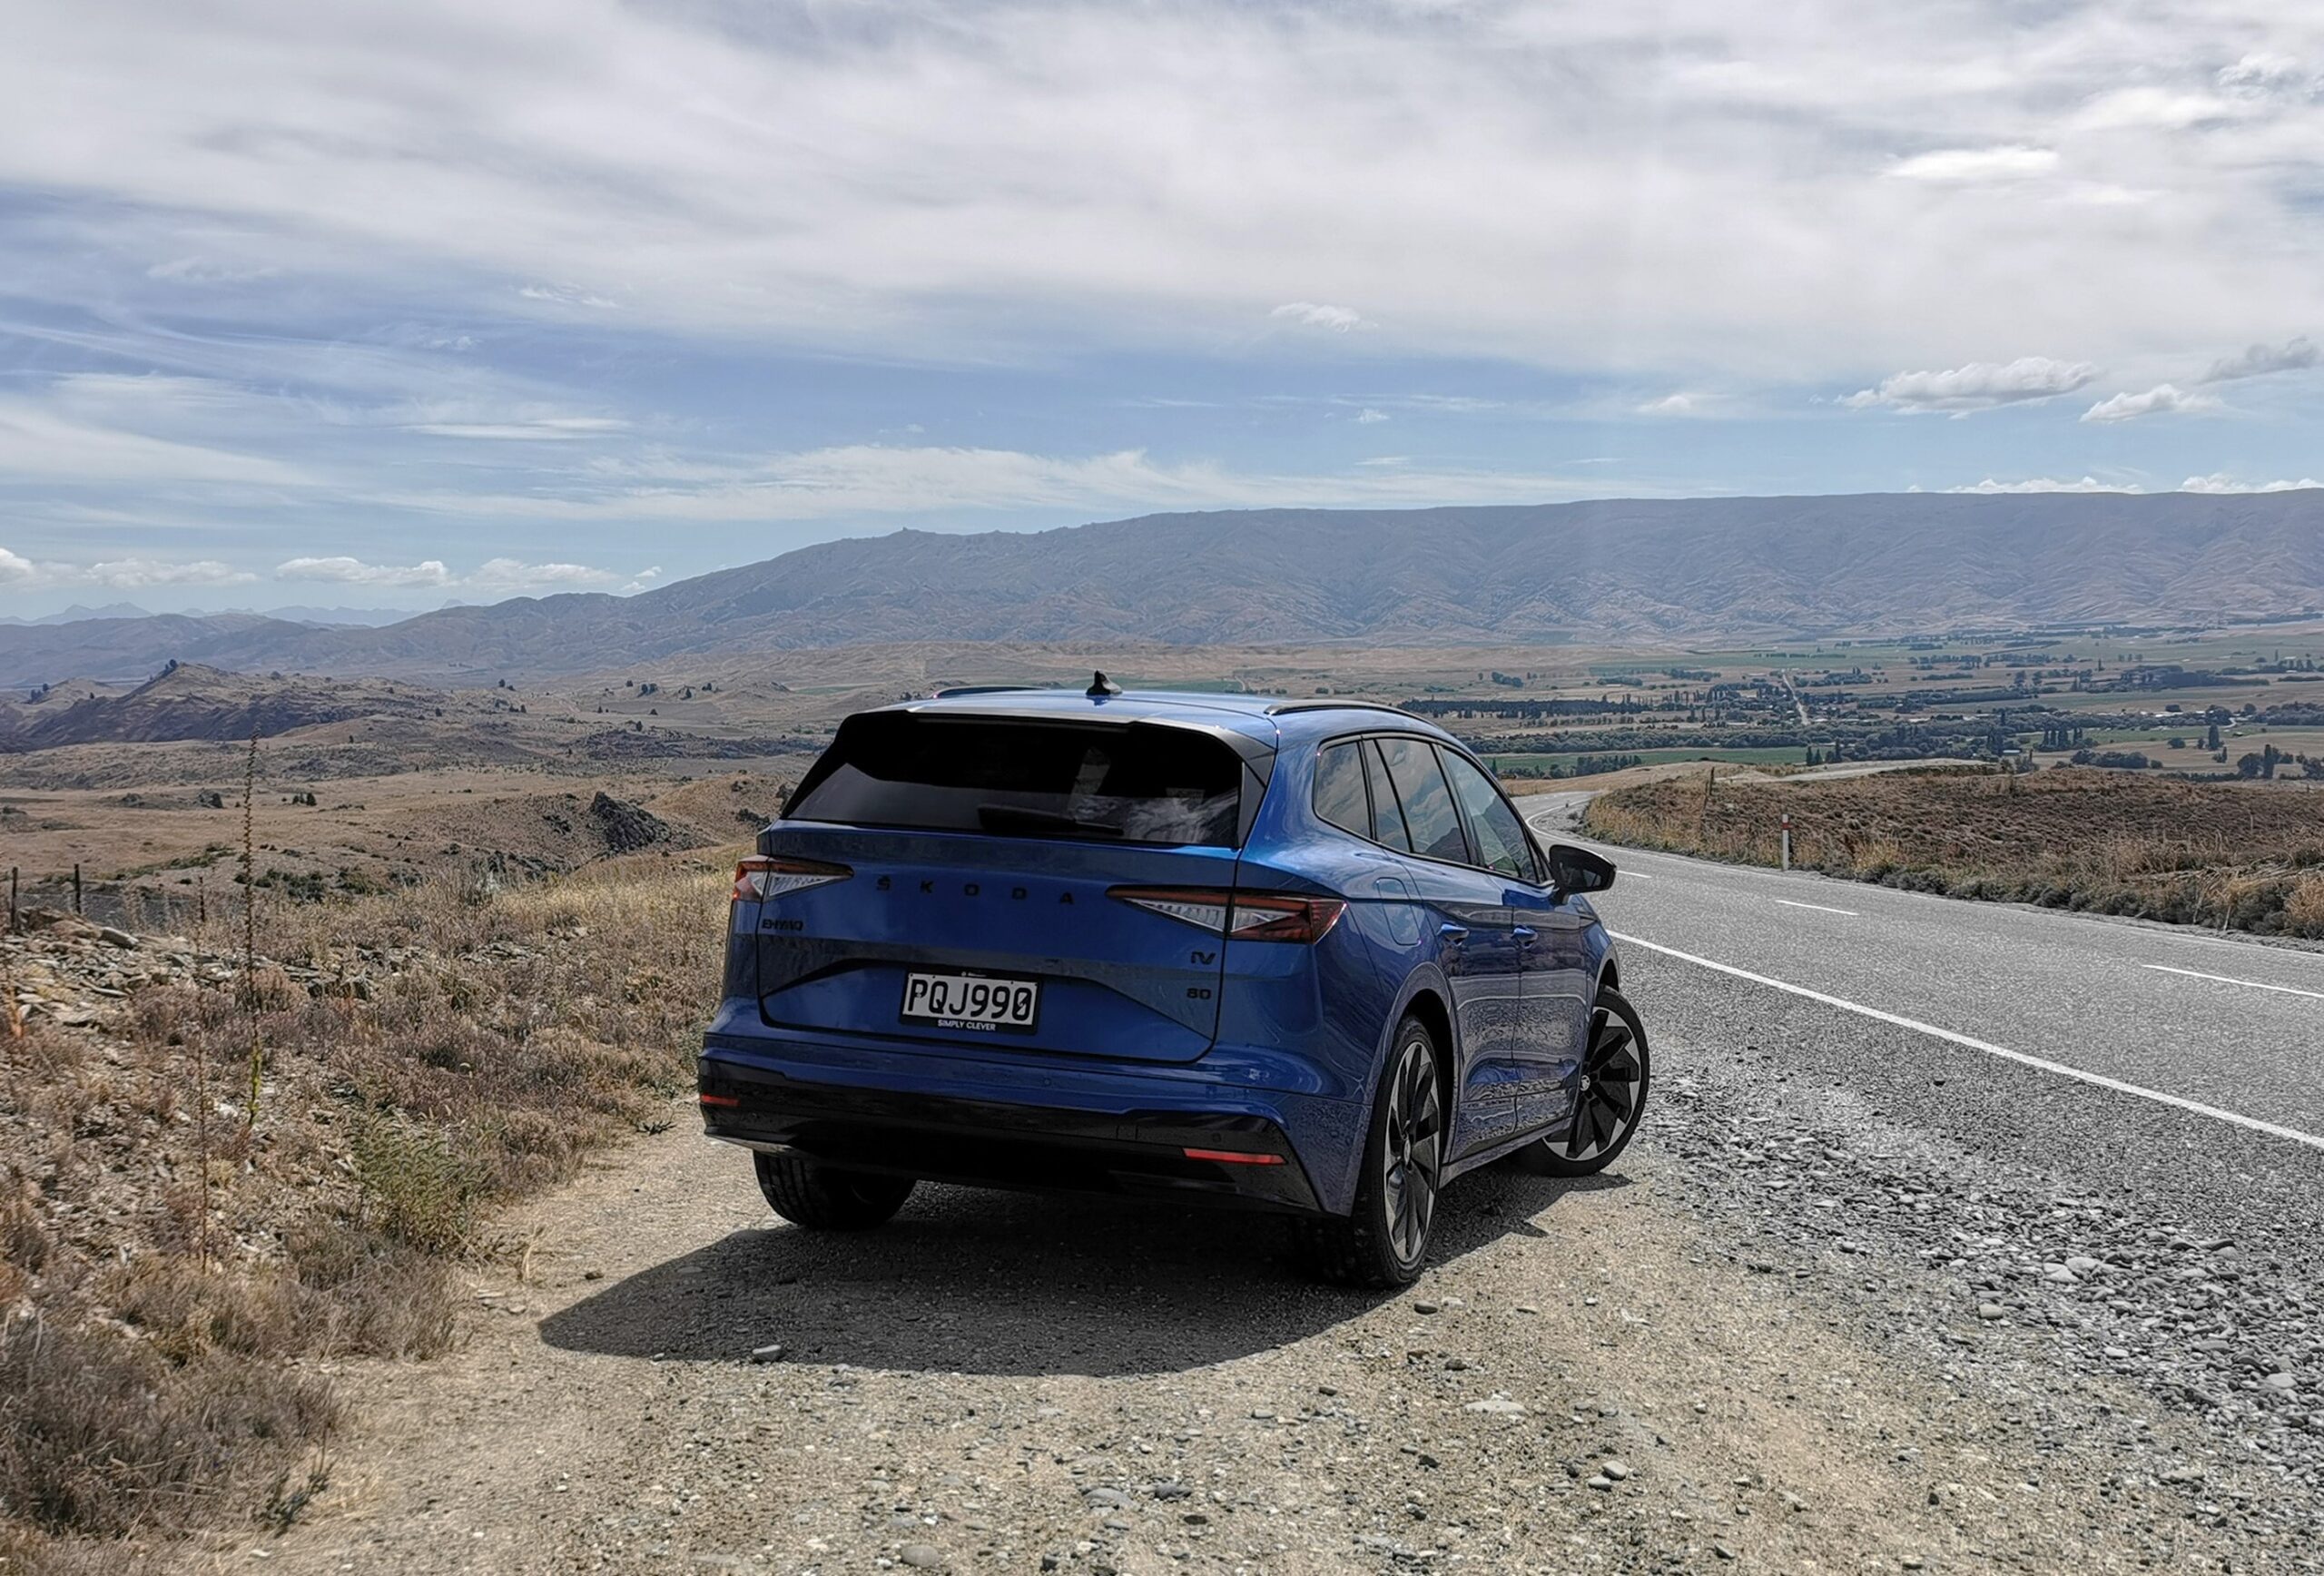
[107, 1437]
[416, 1190]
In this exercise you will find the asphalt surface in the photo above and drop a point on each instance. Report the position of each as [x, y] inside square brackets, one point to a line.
[2234, 1026]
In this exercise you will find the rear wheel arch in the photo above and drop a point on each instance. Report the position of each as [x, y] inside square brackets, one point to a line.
[1429, 1007]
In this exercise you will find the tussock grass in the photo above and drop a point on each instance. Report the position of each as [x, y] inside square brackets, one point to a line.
[2233, 856]
[161, 1305]
[107, 1435]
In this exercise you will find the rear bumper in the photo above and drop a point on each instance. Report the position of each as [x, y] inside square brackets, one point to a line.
[1130, 1139]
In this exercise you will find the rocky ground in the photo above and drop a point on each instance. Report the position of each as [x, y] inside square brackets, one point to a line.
[72, 971]
[1846, 1306]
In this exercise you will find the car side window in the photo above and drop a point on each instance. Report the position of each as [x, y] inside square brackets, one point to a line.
[1427, 802]
[1388, 828]
[1340, 797]
[1501, 838]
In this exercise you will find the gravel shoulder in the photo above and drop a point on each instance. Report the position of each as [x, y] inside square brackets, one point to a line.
[1802, 1328]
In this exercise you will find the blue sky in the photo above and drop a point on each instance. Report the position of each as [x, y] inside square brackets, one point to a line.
[392, 305]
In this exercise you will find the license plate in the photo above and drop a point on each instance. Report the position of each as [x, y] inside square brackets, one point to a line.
[976, 1002]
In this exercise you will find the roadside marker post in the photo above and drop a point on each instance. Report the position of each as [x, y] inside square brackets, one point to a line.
[1787, 840]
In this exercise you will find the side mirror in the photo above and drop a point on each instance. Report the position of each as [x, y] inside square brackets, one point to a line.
[1577, 870]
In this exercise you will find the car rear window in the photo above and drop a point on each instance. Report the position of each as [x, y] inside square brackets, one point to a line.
[1140, 782]
[1387, 820]
[1340, 798]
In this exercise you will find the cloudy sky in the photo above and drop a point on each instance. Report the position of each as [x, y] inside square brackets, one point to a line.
[398, 304]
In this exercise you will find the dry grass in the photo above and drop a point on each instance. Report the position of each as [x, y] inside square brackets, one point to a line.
[457, 1047]
[2240, 856]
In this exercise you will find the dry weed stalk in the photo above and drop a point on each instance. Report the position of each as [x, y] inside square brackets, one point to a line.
[249, 928]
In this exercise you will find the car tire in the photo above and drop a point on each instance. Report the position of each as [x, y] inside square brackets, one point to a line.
[1384, 1241]
[1612, 1099]
[828, 1198]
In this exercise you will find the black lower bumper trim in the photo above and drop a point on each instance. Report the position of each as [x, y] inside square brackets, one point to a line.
[996, 1144]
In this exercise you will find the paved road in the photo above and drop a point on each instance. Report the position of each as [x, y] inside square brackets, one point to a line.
[2156, 1013]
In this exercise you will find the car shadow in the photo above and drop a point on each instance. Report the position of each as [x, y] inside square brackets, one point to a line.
[970, 1281]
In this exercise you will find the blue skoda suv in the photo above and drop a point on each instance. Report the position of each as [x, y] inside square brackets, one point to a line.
[1289, 955]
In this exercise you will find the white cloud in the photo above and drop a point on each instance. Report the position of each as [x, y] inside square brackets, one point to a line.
[1368, 417]
[1968, 165]
[872, 480]
[2258, 361]
[203, 271]
[40, 441]
[128, 574]
[495, 577]
[2151, 108]
[346, 571]
[2220, 482]
[1679, 404]
[2265, 74]
[2088, 483]
[118, 573]
[566, 296]
[508, 575]
[1976, 386]
[953, 182]
[542, 430]
[2164, 398]
[1317, 315]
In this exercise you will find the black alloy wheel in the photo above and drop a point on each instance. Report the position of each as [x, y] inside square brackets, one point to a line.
[1610, 1095]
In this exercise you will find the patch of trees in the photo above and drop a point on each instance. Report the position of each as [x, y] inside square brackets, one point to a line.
[1473, 706]
[2265, 762]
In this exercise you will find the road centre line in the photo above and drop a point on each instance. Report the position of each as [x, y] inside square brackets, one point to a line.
[2223, 979]
[1820, 908]
[2041, 1064]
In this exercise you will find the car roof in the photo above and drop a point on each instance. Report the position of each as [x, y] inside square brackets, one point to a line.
[1270, 718]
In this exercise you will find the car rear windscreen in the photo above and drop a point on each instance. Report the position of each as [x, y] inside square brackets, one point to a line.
[1143, 782]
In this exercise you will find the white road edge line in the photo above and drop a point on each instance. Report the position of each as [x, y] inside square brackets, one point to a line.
[2223, 979]
[2099, 1080]
[1820, 908]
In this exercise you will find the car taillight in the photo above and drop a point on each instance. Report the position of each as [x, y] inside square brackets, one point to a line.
[762, 877]
[1241, 916]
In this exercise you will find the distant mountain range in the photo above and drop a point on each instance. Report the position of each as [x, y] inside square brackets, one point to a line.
[1617, 572]
[76, 613]
[368, 617]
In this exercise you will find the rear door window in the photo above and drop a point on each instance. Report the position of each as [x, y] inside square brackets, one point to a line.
[1427, 802]
[1340, 798]
[1387, 817]
[1142, 782]
[1501, 838]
